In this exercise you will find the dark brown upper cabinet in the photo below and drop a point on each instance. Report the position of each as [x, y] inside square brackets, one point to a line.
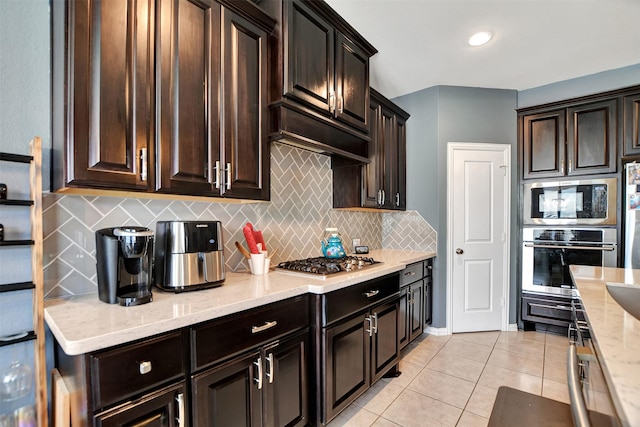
[103, 89]
[381, 183]
[213, 102]
[320, 92]
[575, 139]
[543, 142]
[167, 96]
[592, 138]
[631, 129]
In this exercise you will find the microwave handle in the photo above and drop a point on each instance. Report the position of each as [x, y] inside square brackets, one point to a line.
[578, 406]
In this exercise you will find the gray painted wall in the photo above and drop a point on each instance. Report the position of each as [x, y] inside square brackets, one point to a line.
[453, 114]
[24, 113]
[581, 86]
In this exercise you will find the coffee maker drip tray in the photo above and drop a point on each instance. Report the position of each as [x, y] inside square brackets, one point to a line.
[134, 295]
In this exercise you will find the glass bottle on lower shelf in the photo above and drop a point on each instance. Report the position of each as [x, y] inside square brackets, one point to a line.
[17, 395]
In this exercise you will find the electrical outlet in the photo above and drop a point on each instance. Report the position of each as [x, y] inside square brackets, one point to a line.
[355, 242]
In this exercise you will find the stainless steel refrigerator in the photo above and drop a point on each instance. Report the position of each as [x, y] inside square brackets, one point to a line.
[631, 208]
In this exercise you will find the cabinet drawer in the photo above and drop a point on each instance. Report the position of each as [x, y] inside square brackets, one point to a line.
[412, 273]
[344, 302]
[233, 334]
[546, 310]
[124, 371]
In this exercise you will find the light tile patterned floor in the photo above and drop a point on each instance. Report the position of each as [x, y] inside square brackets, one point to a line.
[453, 380]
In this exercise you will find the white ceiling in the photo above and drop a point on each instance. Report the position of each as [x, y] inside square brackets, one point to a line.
[423, 43]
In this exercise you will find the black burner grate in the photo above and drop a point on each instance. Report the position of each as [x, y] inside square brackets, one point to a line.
[325, 266]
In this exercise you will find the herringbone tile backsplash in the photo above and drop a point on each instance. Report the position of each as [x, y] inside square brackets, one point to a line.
[293, 221]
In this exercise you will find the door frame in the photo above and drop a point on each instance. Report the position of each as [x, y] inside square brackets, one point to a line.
[506, 150]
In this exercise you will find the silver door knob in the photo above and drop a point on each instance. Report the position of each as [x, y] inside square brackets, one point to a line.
[459, 251]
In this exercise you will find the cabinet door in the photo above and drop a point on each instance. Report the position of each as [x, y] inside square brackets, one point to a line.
[188, 53]
[389, 165]
[404, 317]
[543, 143]
[428, 290]
[244, 73]
[371, 172]
[416, 324]
[347, 364]
[385, 346]
[287, 381]
[591, 138]
[400, 191]
[631, 108]
[229, 395]
[165, 408]
[111, 85]
[352, 84]
[309, 57]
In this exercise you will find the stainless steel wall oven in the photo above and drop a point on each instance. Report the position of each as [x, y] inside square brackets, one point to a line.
[583, 202]
[547, 254]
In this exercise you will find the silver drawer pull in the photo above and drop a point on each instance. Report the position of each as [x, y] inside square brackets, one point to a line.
[373, 293]
[267, 325]
[410, 273]
[145, 367]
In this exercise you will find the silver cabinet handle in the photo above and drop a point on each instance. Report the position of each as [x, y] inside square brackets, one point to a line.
[373, 293]
[258, 380]
[216, 170]
[578, 406]
[374, 323]
[569, 167]
[271, 372]
[370, 330]
[397, 199]
[332, 102]
[341, 105]
[383, 197]
[267, 325]
[228, 183]
[180, 419]
[562, 166]
[143, 164]
[410, 273]
[145, 367]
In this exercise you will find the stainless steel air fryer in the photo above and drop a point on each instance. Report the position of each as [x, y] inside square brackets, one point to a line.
[124, 263]
[189, 255]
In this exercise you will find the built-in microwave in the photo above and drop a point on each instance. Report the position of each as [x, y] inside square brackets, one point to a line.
[583, 202]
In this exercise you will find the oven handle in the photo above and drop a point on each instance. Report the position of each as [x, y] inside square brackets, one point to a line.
[578, 406]
[590, 248]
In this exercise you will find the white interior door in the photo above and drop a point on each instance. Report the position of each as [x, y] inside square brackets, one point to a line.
[478, 236]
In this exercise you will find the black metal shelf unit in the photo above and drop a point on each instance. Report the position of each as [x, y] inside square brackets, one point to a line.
[34, 160]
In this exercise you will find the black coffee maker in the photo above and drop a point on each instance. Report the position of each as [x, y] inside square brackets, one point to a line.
[124, 261]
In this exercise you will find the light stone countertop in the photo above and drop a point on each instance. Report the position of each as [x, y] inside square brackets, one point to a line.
[615, 335]
[83, 324]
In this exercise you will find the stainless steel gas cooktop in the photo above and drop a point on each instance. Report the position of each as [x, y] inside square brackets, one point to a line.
[322, 267]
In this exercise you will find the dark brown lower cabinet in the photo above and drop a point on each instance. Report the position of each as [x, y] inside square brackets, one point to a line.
[164, 408]
[546, 312]
[411, 312]
[264, 387]
[358, 352]
[415, 318]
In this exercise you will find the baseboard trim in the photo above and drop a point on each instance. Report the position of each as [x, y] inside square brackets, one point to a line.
[436, 331]
[513, 327]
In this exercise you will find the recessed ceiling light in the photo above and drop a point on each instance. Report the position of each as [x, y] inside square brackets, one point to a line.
[480, 38]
